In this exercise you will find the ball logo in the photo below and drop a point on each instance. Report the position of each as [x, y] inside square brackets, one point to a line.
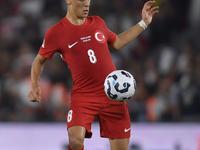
[99, 36]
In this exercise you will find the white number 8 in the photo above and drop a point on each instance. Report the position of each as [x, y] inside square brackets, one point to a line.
[69, 116]
[92, 57]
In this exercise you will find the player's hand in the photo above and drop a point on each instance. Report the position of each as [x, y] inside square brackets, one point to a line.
[35, 94]
[148, 12]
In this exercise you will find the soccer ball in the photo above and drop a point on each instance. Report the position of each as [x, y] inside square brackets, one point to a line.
[119, 85]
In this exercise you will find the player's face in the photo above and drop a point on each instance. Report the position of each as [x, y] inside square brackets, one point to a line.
[80, 8]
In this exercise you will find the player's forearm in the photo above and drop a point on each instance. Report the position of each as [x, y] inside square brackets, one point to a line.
[127, 36]
[36, 71]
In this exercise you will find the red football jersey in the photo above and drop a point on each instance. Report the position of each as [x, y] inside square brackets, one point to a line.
[85, 49]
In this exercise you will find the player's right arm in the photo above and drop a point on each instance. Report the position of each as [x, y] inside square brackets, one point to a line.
[48, 48]
[36, 71]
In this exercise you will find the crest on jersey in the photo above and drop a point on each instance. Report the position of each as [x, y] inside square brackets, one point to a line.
[99, 36]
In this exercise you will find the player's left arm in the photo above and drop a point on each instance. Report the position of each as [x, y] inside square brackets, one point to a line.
[126, 37]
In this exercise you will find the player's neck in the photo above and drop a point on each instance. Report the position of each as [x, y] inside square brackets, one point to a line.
[75, 20]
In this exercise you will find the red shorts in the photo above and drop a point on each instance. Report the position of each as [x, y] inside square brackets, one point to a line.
[113, 116]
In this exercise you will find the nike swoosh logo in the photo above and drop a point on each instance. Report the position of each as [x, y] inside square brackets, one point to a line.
[126, 130]
[70, 46]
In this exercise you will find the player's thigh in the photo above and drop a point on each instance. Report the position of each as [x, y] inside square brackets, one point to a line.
[76, 134]
[119, 144]
[82, 114]
[115, 121]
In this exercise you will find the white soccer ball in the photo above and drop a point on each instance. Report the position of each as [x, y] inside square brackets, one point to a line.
[119, 85]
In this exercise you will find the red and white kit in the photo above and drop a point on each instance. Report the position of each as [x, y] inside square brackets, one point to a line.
[85, 49]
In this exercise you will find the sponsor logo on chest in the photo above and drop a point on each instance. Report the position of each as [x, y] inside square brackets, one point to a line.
[86, 39]
[98, 35]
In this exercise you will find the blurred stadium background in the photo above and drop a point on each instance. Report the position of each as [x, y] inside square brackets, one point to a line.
[164, 59]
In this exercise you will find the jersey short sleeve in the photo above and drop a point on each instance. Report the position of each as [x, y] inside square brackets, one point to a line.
[111, 35]
[49, 45]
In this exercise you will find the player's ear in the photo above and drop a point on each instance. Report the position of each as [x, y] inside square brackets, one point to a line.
[68, 2]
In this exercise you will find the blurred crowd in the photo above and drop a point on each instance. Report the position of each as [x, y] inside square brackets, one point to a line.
[164, 59]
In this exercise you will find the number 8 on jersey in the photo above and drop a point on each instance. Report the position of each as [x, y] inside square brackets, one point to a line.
[92, 56]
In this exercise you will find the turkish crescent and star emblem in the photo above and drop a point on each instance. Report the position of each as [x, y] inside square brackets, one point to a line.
[99, 36]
